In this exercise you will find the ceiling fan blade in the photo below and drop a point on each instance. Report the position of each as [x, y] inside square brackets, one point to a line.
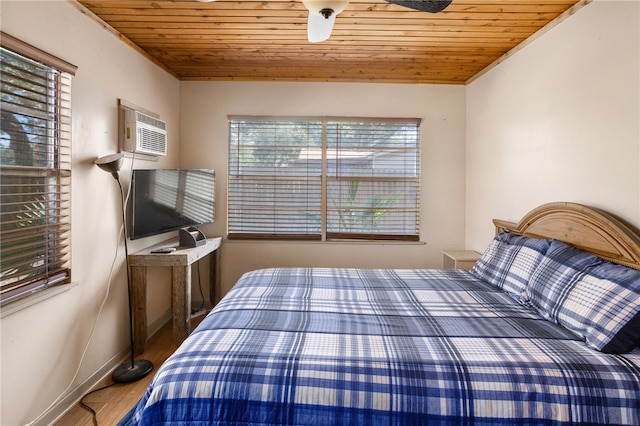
[319, 28]
[433, 6]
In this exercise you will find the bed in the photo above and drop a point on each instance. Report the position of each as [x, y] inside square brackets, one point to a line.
[543, 330]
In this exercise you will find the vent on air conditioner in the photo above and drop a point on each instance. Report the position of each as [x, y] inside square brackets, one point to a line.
[144, 134]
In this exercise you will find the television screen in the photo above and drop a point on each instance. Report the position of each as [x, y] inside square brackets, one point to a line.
[164, 200]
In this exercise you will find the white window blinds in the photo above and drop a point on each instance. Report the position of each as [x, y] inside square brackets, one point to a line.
[35, 177]
[274, 186]
[372, 178]
[331, 178]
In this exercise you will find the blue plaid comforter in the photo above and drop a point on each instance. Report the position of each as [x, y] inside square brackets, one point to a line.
[303, 346]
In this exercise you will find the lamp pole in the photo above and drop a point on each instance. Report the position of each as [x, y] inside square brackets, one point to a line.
[136, 369]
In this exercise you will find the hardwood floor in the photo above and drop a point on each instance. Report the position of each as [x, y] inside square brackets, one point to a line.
[112, 403]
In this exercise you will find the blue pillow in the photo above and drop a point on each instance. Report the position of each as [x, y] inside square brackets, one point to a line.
[509, 261]
[561, 267]
[597, 300]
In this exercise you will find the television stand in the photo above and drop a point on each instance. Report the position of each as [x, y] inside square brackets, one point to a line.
[180, 262]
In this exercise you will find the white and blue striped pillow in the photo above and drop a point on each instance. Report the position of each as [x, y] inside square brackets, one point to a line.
[509, 261]
[561, 267]
[595, 299]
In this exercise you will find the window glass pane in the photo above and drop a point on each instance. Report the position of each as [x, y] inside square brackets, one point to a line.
[34, 177]
[25, 111]
[372, 149]
[373, 171]
[274, 177]
[362, 207]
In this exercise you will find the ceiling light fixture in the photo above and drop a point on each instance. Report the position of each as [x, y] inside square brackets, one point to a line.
[322, 16]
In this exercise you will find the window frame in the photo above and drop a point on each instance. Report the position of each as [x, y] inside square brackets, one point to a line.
[50, 172]
[327, 179]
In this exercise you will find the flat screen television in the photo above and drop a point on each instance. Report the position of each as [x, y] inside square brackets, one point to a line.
[164, 200]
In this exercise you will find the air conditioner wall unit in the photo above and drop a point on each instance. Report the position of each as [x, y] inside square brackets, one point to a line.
[143, 133]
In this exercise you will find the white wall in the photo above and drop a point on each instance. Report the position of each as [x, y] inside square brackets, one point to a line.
[204, 138]
[42, 344]
[558, 121]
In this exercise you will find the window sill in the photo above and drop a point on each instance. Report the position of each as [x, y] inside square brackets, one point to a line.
[329, 242]
[35, 298]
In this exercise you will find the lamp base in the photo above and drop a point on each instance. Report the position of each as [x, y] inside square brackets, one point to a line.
[127, 373]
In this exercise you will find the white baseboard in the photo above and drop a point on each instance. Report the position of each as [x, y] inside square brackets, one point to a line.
[58, 410]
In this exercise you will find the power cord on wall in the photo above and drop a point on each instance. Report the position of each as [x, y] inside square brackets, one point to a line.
[86, 347]
[201, 310]
[93, 328]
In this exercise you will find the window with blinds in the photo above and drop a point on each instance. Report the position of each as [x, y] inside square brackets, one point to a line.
[35, 172]
[324, 178]
[274, 178]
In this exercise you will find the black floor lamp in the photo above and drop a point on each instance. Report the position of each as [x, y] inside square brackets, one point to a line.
[137, 369]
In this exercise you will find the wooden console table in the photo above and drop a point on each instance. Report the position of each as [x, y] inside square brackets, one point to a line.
[180, 262]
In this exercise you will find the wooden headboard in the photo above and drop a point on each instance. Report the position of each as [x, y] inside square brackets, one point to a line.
[589, 229]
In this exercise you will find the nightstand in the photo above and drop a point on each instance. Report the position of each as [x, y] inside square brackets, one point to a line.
[459, 259]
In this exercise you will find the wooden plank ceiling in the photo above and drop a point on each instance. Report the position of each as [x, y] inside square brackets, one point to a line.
[372, 41]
